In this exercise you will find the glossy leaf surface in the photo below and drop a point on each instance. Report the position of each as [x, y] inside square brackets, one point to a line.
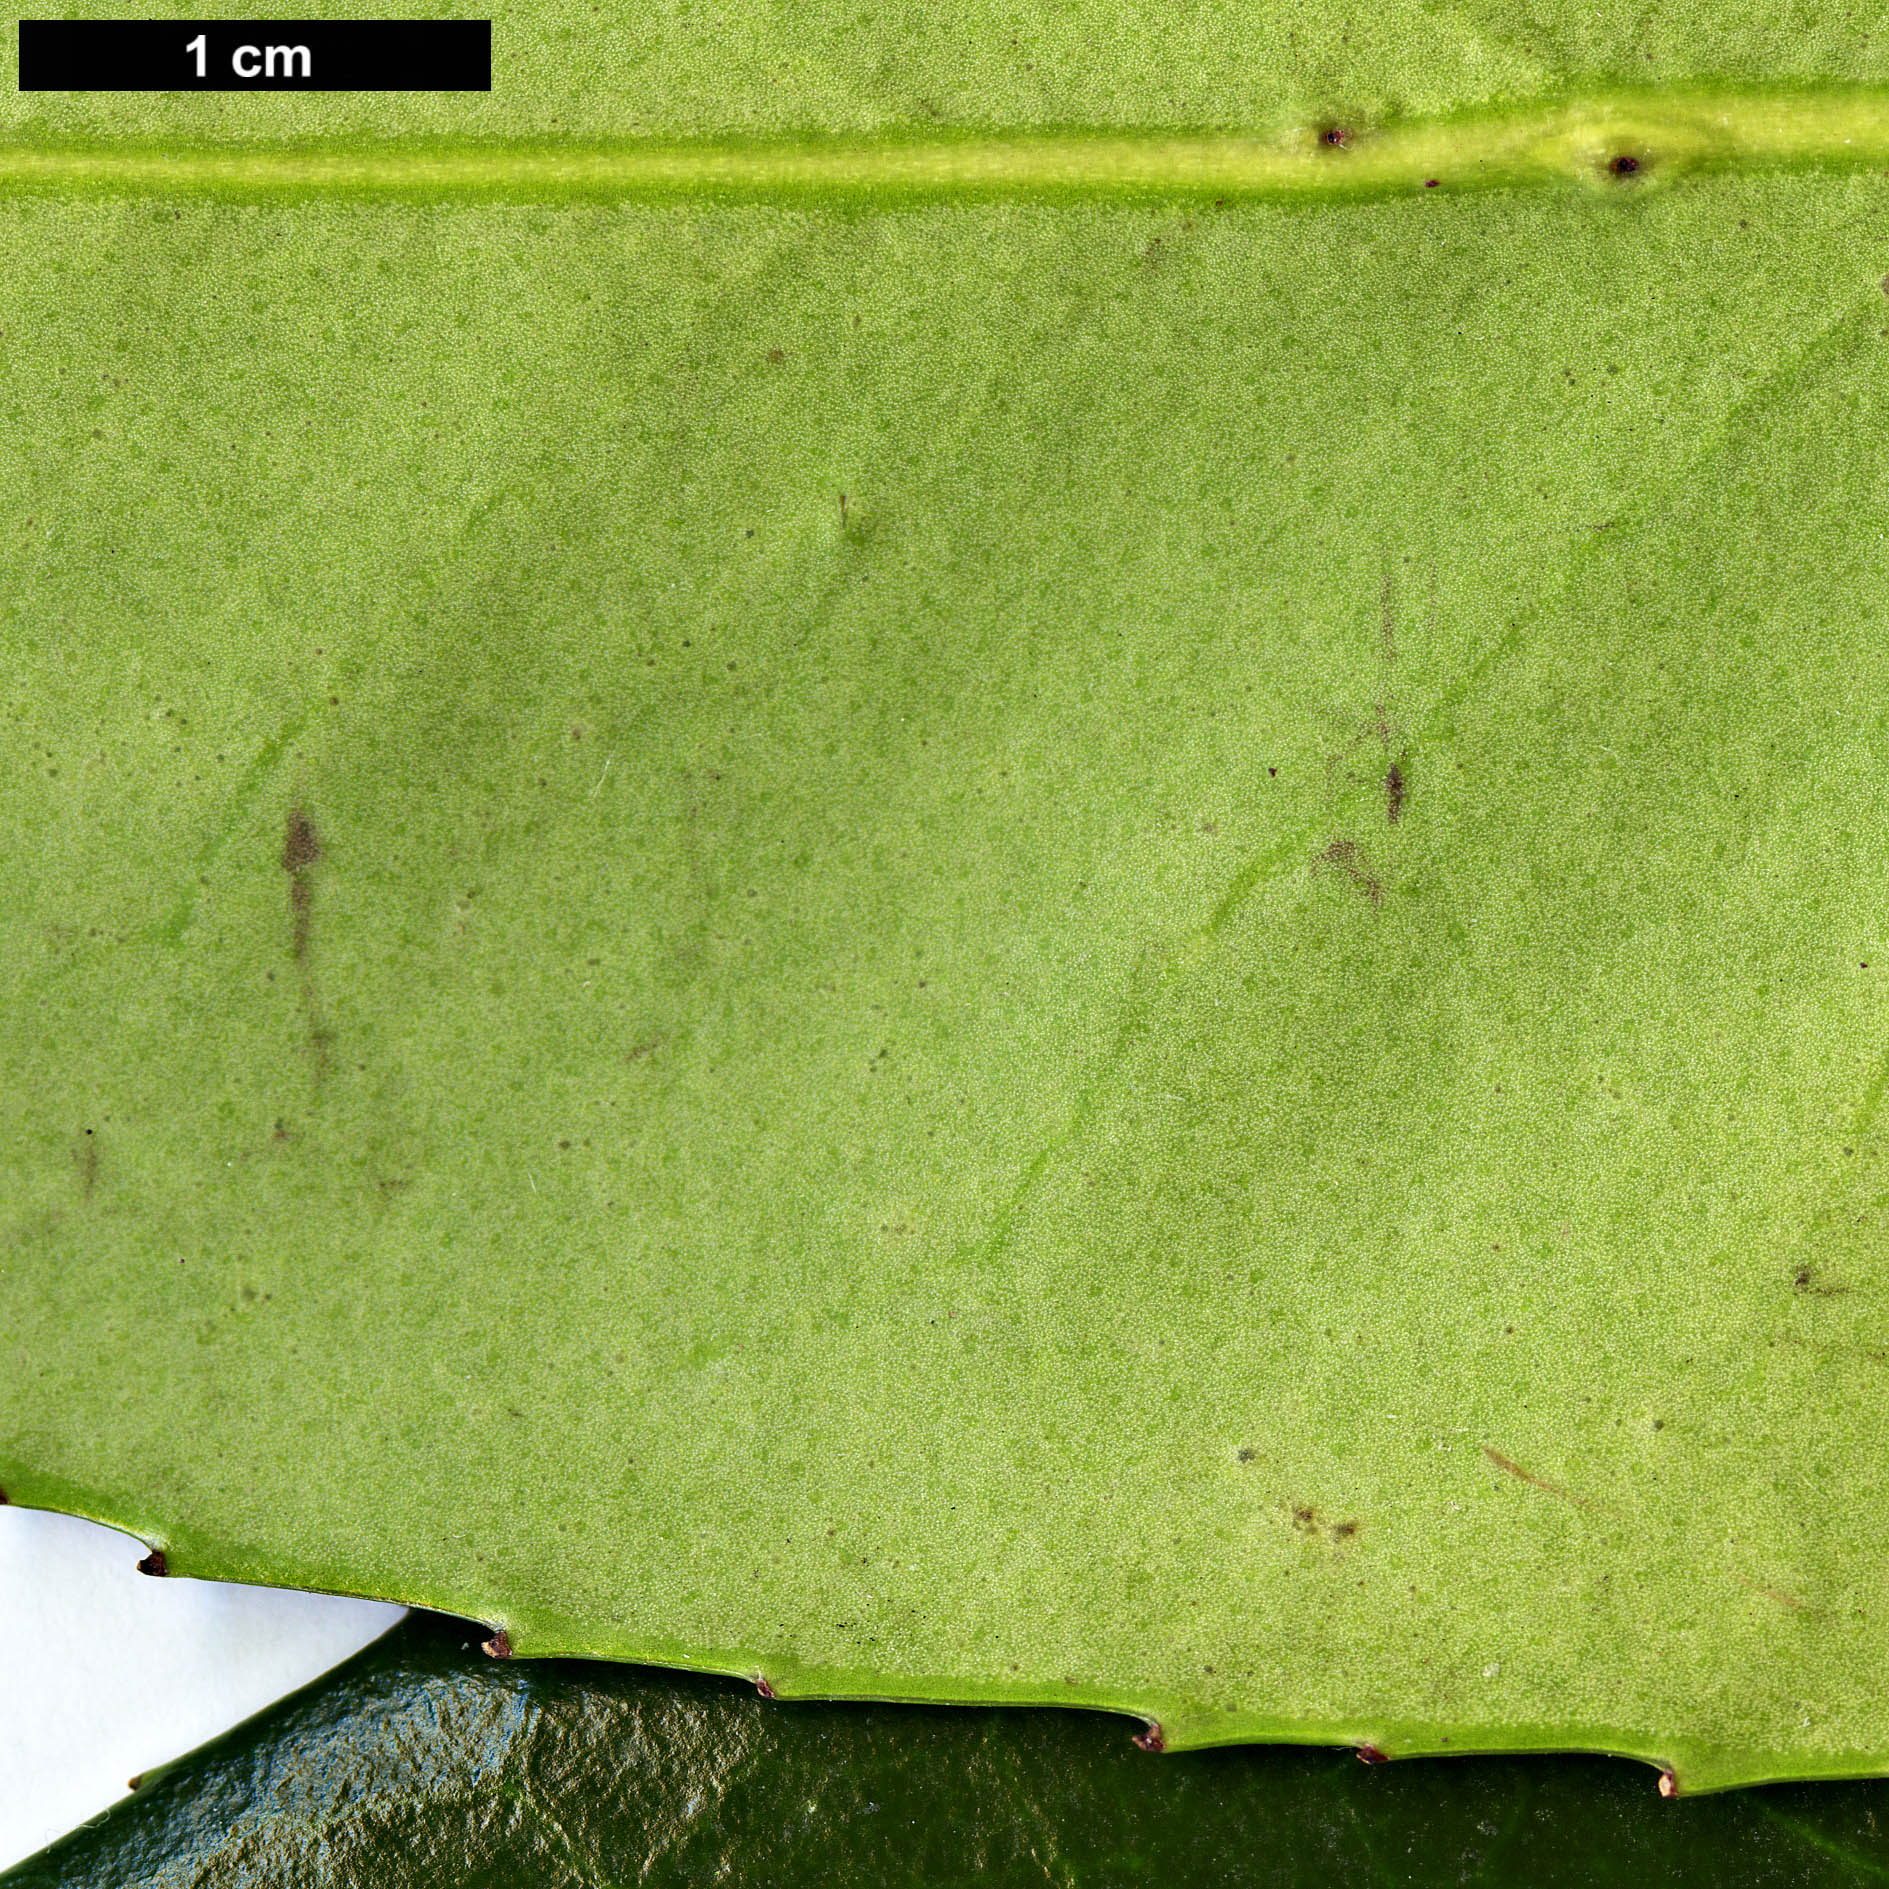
[425, 1764]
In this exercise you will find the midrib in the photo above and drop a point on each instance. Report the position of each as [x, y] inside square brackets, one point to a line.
[1618, 143]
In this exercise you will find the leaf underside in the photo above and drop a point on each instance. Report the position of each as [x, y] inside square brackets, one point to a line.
[1110, 952]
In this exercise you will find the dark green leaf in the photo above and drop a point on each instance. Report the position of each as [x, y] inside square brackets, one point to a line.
[424, 1765]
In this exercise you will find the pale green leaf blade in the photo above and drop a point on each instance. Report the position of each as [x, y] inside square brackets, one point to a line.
[1088, 952]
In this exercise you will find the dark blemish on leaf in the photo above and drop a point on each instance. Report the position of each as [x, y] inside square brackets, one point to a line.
[1805, 1280]
[154, 1564]
[499, 1646]
[1246, 1454]
[1334, 135]
[1430, 183]
[1348, 857]
[132, 1782]
[1624, 165]
[301, 847]
[1151, 1738]
[1370, 1754]
[777, 355]
[87, 1158]
[3, 1498]
[1308, 1521]
[1394, 789]
[1668, 1784]
[763, 1688]
[1511, 1467]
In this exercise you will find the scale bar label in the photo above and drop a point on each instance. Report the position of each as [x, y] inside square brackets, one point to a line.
[255, 55]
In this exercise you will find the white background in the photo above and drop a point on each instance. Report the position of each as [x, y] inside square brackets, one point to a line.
[107, 1672]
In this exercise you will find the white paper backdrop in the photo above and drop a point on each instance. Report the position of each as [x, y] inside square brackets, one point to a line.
[107, 1672]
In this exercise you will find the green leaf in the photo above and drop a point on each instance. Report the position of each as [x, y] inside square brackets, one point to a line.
[422, 1763]
[1029, 935]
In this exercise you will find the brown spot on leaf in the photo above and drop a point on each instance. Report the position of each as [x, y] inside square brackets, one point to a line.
[154, 1563]
[1805, 1279]
[1509, 1466]
[1307, 1521]
[1370, 1754]
[763, 1688]
[301, 847]
[1349, 858]
[499, 1646]
[1151, 1737]
[1394, 791]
